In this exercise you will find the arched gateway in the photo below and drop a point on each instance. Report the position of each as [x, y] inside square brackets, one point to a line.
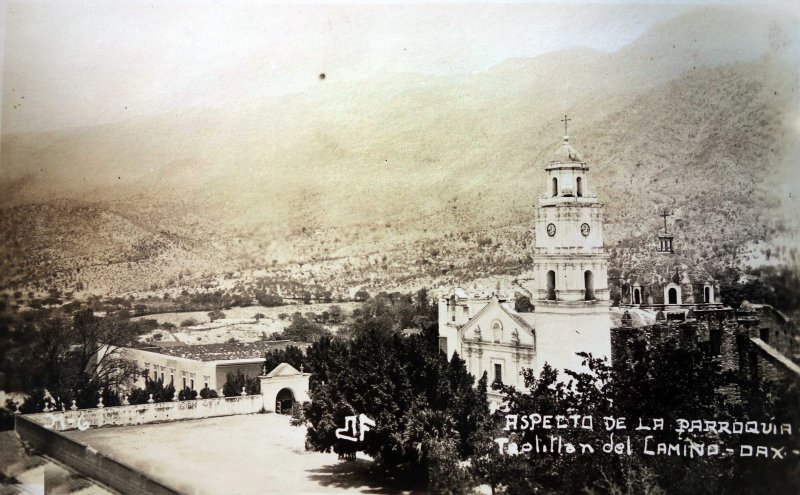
[284, 401]
[282, 387]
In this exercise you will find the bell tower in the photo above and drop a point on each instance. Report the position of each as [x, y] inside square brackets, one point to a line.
[570, 264]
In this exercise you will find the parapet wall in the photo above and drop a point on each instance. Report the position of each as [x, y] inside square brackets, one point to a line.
[86, 460]
[148, 413]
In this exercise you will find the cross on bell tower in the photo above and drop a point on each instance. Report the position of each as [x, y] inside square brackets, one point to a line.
[565, 120]
[665, 239]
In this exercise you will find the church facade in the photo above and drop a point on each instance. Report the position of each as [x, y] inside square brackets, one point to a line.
[569, 289]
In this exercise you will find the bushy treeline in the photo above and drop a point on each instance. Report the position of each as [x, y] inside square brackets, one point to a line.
[57, 357]
[427, 412]
[391, 313]
[778, 286]
[669, 379]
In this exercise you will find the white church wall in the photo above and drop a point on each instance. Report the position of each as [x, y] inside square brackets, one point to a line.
[560, 335]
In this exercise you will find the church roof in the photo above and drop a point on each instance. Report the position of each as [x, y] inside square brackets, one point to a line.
[457, 292]
[526, 321]
[565, 153]
[224, 351]
[665, 269]
[639, 318]
[284, 369]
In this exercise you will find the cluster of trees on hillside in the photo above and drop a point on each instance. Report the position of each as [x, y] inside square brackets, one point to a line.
[778, 286]
[391, 313]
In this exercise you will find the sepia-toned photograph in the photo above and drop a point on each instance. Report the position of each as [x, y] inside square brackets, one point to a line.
[408, 247]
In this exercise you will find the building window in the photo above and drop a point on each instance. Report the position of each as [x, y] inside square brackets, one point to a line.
[162, 377]
[184, 383]
[672, 296]
[498, 373]
[551, 285]
[497, 331]
[764, 334]
[579, 184]
[555, 187]
[753, 366]
[192, 384]
[637, 296]
[716, 342]
[707, 294]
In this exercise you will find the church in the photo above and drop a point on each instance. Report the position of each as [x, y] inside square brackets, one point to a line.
[569, 289]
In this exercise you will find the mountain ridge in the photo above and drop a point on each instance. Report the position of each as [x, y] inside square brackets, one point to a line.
[452, 155]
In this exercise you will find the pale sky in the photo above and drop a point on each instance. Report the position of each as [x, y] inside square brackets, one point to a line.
[84, 63]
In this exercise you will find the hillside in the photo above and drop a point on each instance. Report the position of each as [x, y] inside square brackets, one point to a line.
[403, 180]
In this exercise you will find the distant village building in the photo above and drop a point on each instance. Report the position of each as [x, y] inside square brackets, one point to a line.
[200, 366]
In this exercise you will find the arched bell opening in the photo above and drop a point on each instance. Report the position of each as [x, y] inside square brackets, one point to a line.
[672, 296]
[551, 285]
[588, 284]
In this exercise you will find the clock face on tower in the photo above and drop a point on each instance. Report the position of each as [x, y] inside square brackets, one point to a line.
[585, 229]
[551, 229]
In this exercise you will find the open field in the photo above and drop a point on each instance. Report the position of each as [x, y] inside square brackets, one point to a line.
[239, 323]
[236, 454]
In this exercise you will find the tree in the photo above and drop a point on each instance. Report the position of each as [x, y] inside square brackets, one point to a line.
[268, 300]
[335, 314]
[303, 330]
[361, 295]
[208, 393]
[154, 388]
[216, 315]
[187, 394]
[81, 357]
[668, 376]
[522, 304]
[425, 408]
[235, 382]
[292, 355]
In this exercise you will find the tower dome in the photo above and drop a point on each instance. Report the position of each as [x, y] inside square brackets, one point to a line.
[566, 153]
[676, 277]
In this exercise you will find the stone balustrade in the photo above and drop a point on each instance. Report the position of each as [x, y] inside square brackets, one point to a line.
[154, 412]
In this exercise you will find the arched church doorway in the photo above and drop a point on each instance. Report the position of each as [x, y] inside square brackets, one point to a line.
[579, 187]
[637, 296]
[551, 285]
[284, 401]
[672, 296]
[555, 187]
[588, 284]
